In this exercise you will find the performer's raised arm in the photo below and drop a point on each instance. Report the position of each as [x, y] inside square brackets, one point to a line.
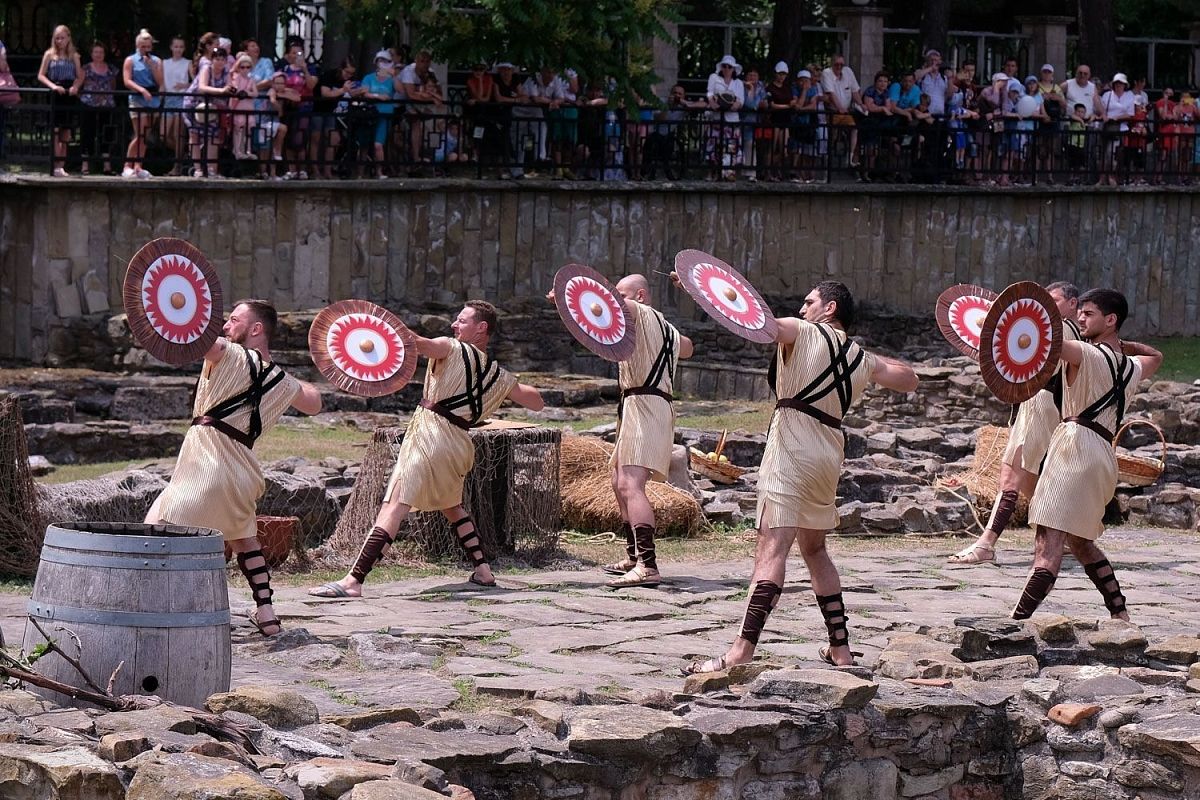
[435, 349]
[308, 399]
[1149, 358]
[891, 373]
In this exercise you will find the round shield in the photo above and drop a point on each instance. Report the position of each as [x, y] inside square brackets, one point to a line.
[726, 295]
[1020, 342]
[960, 311]
[172, 299]
[362, 348]
[593, 312]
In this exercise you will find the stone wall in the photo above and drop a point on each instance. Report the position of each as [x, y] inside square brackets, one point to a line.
[64, 247]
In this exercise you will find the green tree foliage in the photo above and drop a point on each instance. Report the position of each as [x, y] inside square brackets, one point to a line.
[599, 38]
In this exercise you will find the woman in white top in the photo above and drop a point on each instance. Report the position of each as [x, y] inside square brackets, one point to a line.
[177, 76]
[726, 95]
[1118, 107]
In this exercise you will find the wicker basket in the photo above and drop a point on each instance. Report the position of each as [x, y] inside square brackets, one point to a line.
[714, 469]
[1139, 470]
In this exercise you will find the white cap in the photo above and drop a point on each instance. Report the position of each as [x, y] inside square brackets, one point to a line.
[731, 61]
[1015, 85]
[803, 74]
[505, 65]
[1047, 68]
[223, 42]
[1120, 78]
[383, 55]
[782, 67]
[999, 76]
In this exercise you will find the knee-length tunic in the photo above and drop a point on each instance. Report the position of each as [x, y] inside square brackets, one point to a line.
[436, 454]
[1037, 418]
[798, 478]
[1079, 476]
[217, 481]
[646, 422]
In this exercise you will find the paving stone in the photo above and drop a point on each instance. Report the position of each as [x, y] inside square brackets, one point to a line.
[1103, 686]
[825, 688]
[1115, 634]
[628, 732]
[1182, 649]
[1172, 735]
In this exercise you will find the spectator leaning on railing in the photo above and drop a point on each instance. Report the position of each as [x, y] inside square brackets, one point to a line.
[726, 94]
[842, 94]
[62, 73]
[96, 118]
[142, 74]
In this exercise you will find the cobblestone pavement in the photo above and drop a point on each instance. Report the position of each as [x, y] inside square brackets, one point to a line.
[422, 642]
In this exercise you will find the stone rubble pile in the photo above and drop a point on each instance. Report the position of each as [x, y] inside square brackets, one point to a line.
[986, 708]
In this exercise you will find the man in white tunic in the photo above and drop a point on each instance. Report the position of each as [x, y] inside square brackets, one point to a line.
[1080, 473]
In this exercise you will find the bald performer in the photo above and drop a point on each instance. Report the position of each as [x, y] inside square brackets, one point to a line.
[645, 429]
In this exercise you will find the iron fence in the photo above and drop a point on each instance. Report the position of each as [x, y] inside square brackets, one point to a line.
[593, 142]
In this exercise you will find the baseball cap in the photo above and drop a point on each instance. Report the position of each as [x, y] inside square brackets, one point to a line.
[803, 74]
[999, 76]
[505, 65]
[383, 55]
[1047, 68]
[1120, 78]
[782, 67]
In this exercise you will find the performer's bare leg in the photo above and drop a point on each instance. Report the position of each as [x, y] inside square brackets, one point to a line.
[1014, 481]
[1096, 565]
[1047, 562]
[463, 528]
[253, 565]
[387, 524]
[631, 496]
[630, 560]
[770, 568]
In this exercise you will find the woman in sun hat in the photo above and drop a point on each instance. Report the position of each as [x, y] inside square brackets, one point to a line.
[726, 94]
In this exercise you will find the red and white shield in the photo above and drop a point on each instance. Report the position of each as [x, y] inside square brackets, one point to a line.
[172, 299]
[593, 312]
[960, 312]
[1021, 339]
[362, 348]
[726, 295]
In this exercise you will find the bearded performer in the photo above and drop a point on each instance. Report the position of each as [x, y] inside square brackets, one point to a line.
[217, 480]
[1080, 473]
[1028, 440]
[463, 385]
[818, 373]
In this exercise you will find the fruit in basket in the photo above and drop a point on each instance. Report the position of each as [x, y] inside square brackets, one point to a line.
[712, 456]
[723, 459]
[697, 452]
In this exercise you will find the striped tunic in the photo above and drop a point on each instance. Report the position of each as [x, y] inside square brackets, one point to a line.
[436, 455]
[217, 481]
[1036, 420]
[798, 478]
[1080, 473]
[646, 423]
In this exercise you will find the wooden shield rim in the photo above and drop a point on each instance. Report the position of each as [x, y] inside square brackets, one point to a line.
[685, 263]
[622, 349]
[325, 364]
[941, 312]
[135, 312]
[1000, 386]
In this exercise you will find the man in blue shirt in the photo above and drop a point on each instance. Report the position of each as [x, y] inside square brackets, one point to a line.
[905, 96]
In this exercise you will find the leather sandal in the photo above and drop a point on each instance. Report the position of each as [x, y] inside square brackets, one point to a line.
[698, 667]
[826, 655]
[268, 628]
[638, 576]
[619, 567]
[970, 555]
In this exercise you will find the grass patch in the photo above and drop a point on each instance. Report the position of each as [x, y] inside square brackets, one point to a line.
[750, 422]
[1181, 358]
[468, 699]
[16, 586]
[307, 441]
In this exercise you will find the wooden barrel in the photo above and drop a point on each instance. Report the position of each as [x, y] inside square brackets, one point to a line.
[151, 596]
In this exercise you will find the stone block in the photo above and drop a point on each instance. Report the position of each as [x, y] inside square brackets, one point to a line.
[826, 688]
[1181, 649]
[66, 301]
[330, 778]
[915, 785]
[1001, 669]
[122, 746]
[876, 778]
[188, 776]
[279, 708]
[36, 771]
[1073, 714]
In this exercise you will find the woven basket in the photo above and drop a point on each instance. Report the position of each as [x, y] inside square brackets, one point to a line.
[714, 469]
[1140, 470]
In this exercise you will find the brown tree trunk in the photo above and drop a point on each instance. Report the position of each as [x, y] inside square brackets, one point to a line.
[935, 25]
[1098, 38]
[786, 30]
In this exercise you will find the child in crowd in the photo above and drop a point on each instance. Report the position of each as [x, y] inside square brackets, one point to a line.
[272, 130]
[1077, 137]
[242, 104]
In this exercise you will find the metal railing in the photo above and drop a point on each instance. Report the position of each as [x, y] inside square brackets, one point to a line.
[363, 140]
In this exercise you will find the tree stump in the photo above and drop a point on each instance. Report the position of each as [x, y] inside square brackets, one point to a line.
[512, 494]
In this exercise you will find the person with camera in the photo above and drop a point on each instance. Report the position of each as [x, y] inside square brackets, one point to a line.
[335, 88]
[726, 95]
[660, 144]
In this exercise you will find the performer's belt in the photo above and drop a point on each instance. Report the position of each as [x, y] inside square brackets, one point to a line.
[1091, 425]
[446, 414]
[816, 413]
[224, 427]
[636, 390]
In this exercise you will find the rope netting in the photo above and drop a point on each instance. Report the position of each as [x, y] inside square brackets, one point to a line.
[512, 494]
[21, 527]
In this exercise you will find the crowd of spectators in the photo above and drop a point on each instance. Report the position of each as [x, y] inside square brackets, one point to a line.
[231, 110]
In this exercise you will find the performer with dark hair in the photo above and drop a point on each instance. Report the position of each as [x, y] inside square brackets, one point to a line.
[1080, 473]
[217, 480]
[645, 429]
[463, 385]
[818, 373]
[1028, 440]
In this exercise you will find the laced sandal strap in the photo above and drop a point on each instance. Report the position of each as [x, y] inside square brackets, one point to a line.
[833, 610]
